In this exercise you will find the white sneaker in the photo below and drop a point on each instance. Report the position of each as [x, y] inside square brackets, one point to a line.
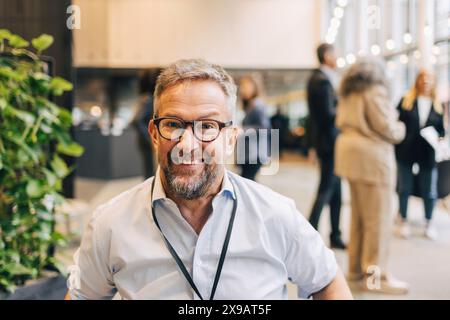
[430, 232]
[403, 230]
[386, 285]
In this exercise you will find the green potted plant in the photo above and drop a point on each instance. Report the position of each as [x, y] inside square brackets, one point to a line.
[34, 133]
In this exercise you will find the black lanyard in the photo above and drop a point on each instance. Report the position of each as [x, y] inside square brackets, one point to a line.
[181, 264]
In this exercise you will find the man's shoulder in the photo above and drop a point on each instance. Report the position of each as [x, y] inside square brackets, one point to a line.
[317, 74]
[317, 79]
[126, 203]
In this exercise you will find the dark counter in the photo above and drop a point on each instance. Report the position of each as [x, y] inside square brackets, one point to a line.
[109, 157]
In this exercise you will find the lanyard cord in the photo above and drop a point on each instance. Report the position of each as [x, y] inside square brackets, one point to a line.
[180, 263]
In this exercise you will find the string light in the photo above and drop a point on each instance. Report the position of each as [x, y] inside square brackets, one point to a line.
[404, 59]
[407, 38]
[351, 59]
[341, 63]
[329, 39]
[96, 111]
[335, 22]
[375, 49]
[339, 12]
[390, 44]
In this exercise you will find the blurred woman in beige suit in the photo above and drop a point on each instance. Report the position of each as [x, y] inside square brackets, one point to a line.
[365, 157]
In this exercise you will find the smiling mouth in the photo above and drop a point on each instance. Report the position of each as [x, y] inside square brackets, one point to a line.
[191, 163]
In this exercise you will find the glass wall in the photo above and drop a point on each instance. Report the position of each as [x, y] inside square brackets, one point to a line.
[408, 34]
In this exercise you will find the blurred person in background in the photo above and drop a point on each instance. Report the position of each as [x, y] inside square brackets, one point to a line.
[419, 109]
[147, 84]
[255, 118]
[280, 121]
[365, 157]
[322, 103]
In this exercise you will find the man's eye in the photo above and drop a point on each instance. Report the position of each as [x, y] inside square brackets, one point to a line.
[173, 124]
[208, 125]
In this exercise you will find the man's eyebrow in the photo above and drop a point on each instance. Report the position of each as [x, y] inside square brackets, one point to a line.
[204, 116]
[210, 114]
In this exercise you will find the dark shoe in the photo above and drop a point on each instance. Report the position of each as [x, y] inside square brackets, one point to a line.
[337, 244]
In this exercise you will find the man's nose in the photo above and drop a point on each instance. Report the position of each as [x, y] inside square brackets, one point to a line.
[188, 141]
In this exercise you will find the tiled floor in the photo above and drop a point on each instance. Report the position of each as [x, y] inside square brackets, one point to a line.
[422, 263]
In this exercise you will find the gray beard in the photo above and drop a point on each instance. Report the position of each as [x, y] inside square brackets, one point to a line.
[190, 191]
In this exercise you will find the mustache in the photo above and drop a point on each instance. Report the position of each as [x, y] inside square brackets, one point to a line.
[179, 156]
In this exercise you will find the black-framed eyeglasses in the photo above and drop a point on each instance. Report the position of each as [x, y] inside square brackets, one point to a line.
[205, 130]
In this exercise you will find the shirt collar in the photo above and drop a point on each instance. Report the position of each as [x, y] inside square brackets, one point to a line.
[227, 186]
[330, 73]
[159, 192]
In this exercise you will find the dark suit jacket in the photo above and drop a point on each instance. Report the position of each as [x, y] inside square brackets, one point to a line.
[414, 148]
[322, 102]
[141, 121]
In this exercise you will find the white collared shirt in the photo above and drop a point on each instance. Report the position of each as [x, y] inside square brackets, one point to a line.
[331, 74]
[271, 243]
[424, 105]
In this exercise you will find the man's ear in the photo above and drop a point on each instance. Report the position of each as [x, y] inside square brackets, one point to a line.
[153, 132]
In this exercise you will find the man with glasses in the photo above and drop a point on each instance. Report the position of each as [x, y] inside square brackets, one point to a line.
[196, 230]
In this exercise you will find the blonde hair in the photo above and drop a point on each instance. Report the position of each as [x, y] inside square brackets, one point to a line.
[411, 95]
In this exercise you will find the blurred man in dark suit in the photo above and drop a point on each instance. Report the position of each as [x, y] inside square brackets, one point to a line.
[322, 102]
[147, 84]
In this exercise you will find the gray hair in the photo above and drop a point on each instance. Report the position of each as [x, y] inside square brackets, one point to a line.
[363, 75]
[193, 70]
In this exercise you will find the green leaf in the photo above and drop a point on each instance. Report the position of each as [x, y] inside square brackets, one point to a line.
[35, 189]
[25, 147]
[46, 129]
[22, 157]
[7, 72]
[4, 34]
[17, 269]
[65, 116]
[41, 76]
[59, 167]
[42, 42]
[52, 179]
[3, 104]
[1, 162]
[49, 116]
[73, 149]
[59, 85]
[25, 116]
[18, 42]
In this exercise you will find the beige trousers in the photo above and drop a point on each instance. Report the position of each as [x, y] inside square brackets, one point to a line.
[371, 227]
